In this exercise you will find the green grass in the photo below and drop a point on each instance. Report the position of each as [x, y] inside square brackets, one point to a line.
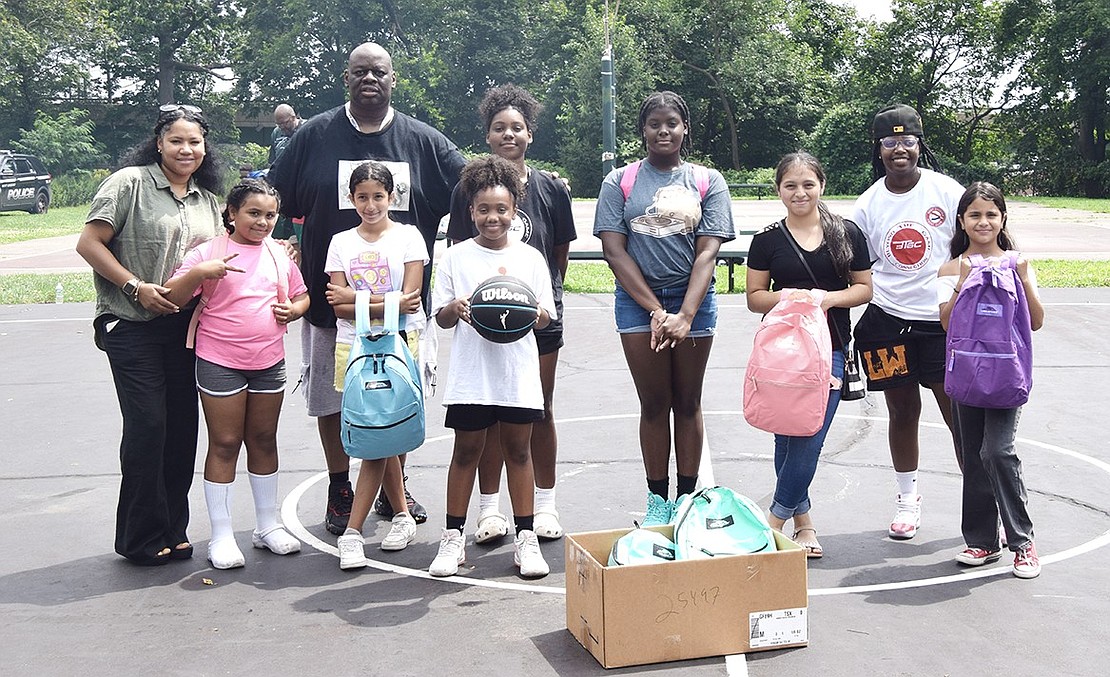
[1101, 206]
[582, 278]
[21, 226]
[596, 278]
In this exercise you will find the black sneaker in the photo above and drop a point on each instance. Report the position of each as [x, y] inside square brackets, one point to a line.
[339, 508]
[382, 506]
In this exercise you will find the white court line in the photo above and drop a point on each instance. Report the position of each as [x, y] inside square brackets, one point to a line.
[292, 522]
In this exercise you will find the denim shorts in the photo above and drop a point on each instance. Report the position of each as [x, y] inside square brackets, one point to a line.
[220, 381]
[632, 318]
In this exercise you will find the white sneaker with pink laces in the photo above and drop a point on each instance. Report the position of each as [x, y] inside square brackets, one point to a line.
[907, 517]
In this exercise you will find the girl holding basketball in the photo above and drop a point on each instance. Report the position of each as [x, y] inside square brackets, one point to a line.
[240, 371]
[492, 388]
[993, 487]
[661, 235]
[379, 256]
[544, 221]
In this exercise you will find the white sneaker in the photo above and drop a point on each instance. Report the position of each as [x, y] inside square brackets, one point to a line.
[528, 557]
[351, 554]
[452, 553]
[491, 526]
[225, 554]
[907, 517]
[401, 533]
[547, 524]
[277, 540]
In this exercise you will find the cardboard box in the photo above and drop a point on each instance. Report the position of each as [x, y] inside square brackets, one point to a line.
[634, 615]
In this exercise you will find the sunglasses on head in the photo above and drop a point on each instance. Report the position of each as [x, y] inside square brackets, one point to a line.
[891, 142]
[172, 107]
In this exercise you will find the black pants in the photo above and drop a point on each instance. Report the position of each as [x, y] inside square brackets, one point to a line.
[155, 382]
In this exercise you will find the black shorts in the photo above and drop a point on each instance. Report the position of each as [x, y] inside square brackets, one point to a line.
[549, 340]
[896, 352]
[471, 417]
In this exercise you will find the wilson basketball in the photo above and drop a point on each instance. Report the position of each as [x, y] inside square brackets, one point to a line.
[503, 309]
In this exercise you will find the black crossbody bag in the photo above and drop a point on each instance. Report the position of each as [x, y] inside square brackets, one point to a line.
[851, 386]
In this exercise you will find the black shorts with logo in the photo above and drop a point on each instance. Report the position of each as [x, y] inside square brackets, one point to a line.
[896, 352]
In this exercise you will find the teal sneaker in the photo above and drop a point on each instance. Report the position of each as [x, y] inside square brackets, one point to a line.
[660, 511]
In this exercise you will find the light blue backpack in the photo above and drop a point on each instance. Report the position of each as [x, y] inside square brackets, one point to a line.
[383, 404]
[641, 546]
[718, 521]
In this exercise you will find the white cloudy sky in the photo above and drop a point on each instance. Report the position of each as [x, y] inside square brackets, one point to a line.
[880, 9]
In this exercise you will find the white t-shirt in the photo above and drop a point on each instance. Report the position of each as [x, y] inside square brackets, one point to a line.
[481, 371]
[376, 266]
[908, 236]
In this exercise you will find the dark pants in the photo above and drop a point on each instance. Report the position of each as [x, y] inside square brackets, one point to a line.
[993, 484]
[156, 386]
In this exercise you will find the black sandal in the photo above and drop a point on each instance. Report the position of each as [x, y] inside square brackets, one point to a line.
[157, 559]
[182, 551]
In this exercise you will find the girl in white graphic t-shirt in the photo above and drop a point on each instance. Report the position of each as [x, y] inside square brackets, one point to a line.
[378, 255]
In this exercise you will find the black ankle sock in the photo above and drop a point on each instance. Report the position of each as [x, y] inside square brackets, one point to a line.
[455, 522]
[524, 523]
[686, 484]
[661, 487]
[336, 479]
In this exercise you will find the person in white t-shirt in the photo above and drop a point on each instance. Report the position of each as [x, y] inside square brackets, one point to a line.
[240, 345]
[908, 216]
[492, 388]
[379, 256]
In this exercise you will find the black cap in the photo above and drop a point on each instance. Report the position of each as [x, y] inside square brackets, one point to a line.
[896, 120]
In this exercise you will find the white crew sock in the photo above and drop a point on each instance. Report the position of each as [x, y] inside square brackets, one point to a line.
[907, 482]
[489, 503]
[545, 499]
[218, 498]
[265, 491]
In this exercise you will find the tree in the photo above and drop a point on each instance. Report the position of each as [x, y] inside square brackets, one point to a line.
[1063, 124]
[42, 48]
[64, 143]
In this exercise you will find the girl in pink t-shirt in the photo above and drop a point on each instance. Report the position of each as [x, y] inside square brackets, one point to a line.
[250, 291]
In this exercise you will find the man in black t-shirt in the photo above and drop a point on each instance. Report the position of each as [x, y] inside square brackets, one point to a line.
[312, 176]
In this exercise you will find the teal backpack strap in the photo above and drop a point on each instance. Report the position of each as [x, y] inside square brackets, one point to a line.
[392, 312]
[362, 312]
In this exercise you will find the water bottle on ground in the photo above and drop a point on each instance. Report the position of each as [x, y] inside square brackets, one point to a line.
[59, 293]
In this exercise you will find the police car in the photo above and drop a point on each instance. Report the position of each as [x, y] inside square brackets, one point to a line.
[24, 183]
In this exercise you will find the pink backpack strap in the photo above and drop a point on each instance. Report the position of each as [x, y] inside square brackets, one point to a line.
[207, 288]
[281, 262]
[628, 178]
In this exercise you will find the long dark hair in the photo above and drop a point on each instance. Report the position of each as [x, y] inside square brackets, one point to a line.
[832, 225]
[665, 99]
[489, 172]
[210, 173]
[239, 194]
[991, 193]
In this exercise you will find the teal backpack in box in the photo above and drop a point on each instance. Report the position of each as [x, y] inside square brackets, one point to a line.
[718, 521]
[383, 404]
[641, 546]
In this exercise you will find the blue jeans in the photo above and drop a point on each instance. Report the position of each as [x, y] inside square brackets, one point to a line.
[796, 457]
[993, 486]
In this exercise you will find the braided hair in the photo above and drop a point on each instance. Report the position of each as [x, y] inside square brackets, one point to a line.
[665, 99]
[926, 158]
[832, 225]
[239, 194]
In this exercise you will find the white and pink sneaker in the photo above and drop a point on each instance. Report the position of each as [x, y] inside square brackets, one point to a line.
[907, 517]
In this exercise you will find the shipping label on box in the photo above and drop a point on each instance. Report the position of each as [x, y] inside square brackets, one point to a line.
[777, 628]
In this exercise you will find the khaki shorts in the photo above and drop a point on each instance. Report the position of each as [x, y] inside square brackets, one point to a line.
[343, 356]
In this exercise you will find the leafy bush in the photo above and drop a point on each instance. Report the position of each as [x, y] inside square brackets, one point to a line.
[76, 188]
[63, 143]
